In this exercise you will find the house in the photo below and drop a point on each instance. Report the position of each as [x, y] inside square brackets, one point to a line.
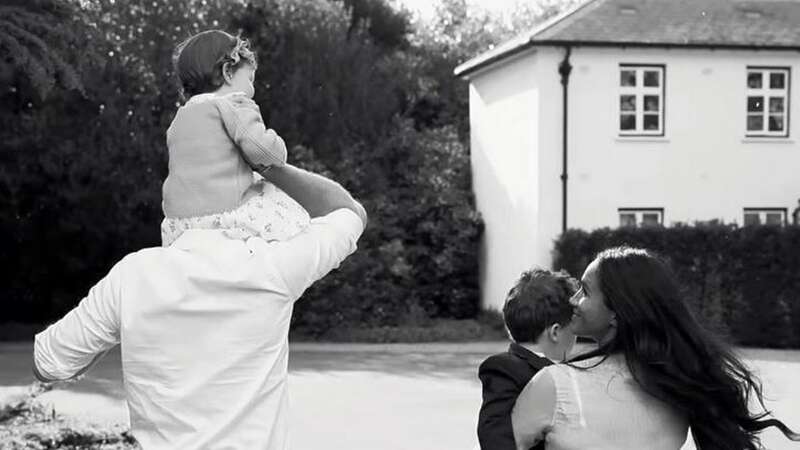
[633, 113]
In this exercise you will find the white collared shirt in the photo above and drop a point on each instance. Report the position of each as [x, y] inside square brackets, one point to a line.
[203, 327]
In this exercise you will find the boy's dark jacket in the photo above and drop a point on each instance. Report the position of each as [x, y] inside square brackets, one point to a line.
[503, 377]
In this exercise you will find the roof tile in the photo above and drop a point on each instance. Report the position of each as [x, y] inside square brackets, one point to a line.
[773, 23]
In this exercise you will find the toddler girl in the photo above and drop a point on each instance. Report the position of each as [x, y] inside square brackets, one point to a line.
[216, 141]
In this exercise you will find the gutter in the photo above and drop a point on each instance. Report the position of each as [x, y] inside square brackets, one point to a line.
[490, 58]
[564, 69]
[493, 57]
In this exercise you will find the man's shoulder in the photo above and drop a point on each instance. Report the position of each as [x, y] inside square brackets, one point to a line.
[145, 256]
[331, 230]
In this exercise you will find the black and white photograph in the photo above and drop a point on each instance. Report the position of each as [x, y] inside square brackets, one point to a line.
[399, 224]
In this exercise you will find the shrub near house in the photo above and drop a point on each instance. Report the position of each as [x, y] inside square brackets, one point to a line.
[743, 281]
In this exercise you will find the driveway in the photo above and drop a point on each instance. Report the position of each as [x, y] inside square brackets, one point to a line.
[366, 396]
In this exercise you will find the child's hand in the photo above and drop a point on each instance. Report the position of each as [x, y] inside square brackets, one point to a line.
[241, 100]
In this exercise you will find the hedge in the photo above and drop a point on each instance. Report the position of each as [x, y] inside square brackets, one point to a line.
[743, 281]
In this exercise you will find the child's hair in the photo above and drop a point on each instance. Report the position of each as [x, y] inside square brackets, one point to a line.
[201, 60]
[539, 299]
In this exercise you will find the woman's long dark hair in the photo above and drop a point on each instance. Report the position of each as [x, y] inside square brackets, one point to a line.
[674, 358]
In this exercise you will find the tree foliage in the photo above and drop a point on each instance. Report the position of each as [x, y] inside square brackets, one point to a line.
[457, 33]
[357, 89]
[385, 25]
[39, 40]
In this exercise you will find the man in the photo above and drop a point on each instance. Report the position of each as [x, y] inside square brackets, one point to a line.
[203, 325]
[537, 313]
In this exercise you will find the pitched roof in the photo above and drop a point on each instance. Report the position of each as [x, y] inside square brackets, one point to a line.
[759, 24]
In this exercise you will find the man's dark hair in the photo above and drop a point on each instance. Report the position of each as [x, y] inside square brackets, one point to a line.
[539, 299]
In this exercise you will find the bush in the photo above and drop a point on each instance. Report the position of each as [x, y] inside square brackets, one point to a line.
[418, 257]
[16, 332]
[436, 330]
[743, 281]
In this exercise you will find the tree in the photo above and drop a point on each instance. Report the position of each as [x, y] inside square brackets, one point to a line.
[81, 172]
[318, 88]
[457, 33]
[38, 43]
[384, 24]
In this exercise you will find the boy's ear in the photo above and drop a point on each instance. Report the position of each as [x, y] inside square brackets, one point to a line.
[508, 332]
[554, 332]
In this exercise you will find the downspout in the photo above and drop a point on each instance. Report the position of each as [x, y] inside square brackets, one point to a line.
[564, 70]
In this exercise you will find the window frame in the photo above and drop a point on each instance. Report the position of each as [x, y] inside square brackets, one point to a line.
[762, 212]
[766, 93]
[639, 91]
[638, 213]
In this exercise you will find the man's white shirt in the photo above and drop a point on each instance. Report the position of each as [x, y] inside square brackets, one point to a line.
[203, 327]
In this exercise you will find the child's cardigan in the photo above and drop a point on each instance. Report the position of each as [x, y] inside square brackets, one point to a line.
[215, 143]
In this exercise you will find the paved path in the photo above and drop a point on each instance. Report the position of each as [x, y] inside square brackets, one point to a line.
[365, 396]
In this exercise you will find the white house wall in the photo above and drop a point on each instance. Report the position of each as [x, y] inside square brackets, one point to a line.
[550, 157]
[503, 129]
[703, 168]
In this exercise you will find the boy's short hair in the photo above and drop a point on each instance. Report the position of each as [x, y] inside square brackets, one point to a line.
[539, 299]
[200, 60]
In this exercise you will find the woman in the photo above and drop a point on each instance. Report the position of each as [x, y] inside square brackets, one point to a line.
[655, 373]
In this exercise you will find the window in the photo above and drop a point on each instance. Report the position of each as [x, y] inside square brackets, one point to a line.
[641, 217]
[767, 101]
[764, 216]
[641, 100]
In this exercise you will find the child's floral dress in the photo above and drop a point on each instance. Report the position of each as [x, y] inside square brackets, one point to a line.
[271, 215]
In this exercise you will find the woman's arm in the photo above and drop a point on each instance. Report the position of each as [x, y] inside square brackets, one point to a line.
[534, 413]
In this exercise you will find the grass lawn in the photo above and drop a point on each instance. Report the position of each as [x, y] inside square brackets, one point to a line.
[373, 396]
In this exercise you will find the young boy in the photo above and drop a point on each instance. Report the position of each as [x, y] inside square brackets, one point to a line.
[537, 313]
